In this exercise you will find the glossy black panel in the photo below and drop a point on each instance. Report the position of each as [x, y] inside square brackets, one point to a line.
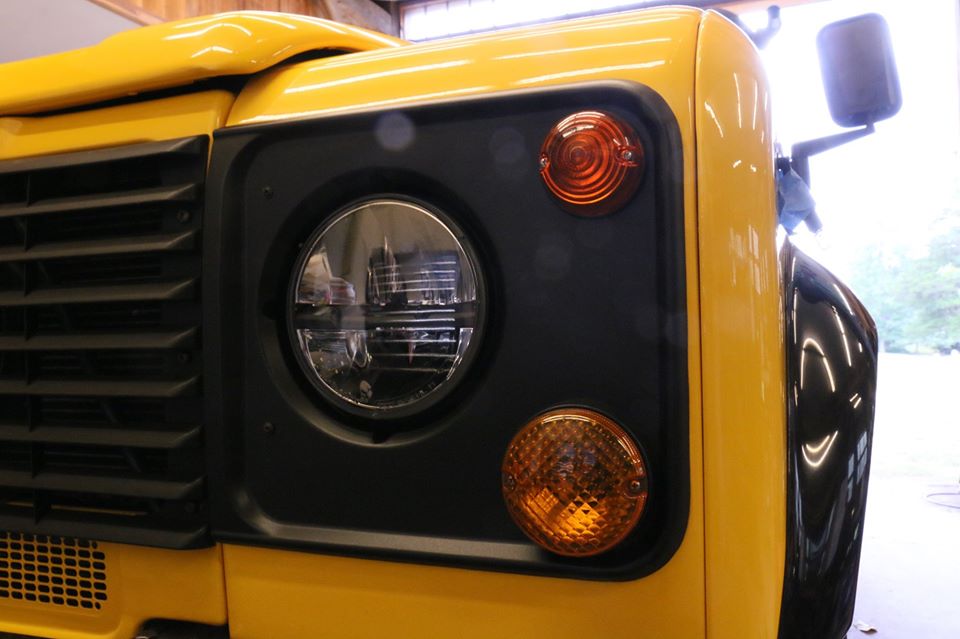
[832, 380]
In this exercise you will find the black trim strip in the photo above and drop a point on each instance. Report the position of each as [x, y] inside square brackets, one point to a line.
[126, 435]
[101, 388]
[127, 485]
[186, 338]
[162, 194]
[140, 529]
[97, 294]
[180, 146]
[117, 246]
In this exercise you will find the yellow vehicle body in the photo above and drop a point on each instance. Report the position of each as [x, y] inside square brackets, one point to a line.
[726, 578]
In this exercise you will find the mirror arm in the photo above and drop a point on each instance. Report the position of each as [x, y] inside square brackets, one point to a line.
[801, 151]
[800, 161]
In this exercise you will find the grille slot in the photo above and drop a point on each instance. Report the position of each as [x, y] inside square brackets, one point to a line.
[100, 405]
[61, 571]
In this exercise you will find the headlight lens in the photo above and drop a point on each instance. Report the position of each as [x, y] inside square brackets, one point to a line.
[385, 307]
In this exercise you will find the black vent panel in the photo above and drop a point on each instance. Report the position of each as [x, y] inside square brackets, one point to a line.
[100, 389]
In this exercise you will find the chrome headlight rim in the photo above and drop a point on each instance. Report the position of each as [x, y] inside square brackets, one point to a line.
[329, 397]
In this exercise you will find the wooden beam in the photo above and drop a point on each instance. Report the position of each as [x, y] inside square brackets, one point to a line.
[129, 10]
[362, 13]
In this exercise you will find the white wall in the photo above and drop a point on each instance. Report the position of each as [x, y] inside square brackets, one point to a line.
[30, 28]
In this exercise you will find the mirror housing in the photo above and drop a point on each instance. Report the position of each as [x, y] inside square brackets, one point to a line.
[859, 70]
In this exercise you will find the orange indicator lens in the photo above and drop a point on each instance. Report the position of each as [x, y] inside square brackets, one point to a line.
[574, 482]
[592, 162]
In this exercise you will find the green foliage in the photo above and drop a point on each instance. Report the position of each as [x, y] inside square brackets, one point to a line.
[915, 299]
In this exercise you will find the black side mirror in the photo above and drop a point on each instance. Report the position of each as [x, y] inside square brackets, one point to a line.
[859, 70]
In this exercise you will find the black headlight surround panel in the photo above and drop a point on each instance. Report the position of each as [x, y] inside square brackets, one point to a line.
[579, 312]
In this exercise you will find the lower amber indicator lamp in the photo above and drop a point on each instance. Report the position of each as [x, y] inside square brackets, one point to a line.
[574, 482]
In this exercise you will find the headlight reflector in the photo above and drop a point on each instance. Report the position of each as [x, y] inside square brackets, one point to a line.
[386, 307]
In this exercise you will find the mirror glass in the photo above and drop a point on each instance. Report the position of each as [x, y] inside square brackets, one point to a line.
[859, 71]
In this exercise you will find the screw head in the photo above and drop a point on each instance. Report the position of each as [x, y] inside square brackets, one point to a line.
[509, 482]
[269, 428]
[183, 358]
[626, 155]
[268, 192]
[183, 216]
[635, 487]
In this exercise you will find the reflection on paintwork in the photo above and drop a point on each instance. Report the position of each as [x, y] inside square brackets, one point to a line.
[202, 32]
[584, 49]
[815, 454]
[713, 115]
[830, 426]
[213, 49]
[419, 97]
[843, 334]
[173, 54]
[585, 74]
[843, 297]
[739, 100]
[812, 344]
[592, 47]
[378, 75]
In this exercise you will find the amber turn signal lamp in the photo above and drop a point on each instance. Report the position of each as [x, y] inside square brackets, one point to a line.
[574, 482]
[592, 162]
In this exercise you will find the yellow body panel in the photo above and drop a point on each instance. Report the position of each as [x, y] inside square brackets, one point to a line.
[654, 47]
[164, 119]
[275, 593]
[726, 578]
[173, 54]
[744, 405]
[142, 583]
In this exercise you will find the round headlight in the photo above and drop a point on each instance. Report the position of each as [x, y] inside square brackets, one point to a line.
[385, 307]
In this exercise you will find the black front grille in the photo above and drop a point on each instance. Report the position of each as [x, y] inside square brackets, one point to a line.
[100, 404]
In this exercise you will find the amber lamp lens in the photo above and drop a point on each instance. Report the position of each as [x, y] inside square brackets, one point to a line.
[574, 482]
[592, 162]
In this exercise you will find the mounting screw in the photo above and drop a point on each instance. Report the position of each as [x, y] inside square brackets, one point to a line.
[183, 358]
[543, 163]
[183, 216]
[509, 482]
[626, 155]
[268, 192]
[635, 487]
[269, 428]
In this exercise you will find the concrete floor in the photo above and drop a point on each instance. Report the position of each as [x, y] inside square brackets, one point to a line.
[910, 568]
